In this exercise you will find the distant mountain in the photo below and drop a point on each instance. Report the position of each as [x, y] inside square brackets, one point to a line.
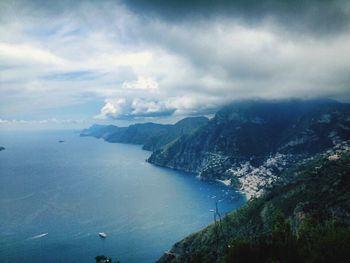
[135, 134]
[101, 131]
[250, 143]
[138, 133]
[307, 220]
[182, 127]
[151, 135]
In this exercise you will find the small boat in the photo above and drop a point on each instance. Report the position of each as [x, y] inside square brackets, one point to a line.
[102, 234]
[60, 141]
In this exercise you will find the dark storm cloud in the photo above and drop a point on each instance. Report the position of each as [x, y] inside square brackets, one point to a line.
[313, 16]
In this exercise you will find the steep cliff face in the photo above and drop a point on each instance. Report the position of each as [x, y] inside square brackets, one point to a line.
[251, 143]
[307, 220]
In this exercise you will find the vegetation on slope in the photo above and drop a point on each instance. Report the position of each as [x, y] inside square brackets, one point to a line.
[183, 127]
[254, 130]
[307, 220]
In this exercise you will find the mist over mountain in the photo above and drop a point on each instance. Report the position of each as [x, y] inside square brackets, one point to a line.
[289, 157]
[123, 62]
[247, 144]
[244, 101]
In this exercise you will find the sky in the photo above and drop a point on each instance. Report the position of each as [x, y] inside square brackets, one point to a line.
[74, 63]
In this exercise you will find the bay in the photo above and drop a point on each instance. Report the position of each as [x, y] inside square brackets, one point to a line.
[75, 189]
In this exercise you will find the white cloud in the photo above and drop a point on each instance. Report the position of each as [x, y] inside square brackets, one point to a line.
[136, 108]
[139, 67]
[112, 109]
[11, 122]
[110, 61]
[21, 53]
[142, 83]
[150, 108]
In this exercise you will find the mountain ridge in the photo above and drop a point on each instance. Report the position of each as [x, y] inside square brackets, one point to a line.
[151, 135]
[250, 143]
[247, 144]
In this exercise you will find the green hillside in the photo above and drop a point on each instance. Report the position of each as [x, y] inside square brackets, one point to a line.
[307, 220]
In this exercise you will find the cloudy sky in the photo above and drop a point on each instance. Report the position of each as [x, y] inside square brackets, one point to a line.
[80, 62]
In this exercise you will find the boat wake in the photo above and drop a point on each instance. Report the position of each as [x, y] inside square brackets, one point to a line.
[38, 236]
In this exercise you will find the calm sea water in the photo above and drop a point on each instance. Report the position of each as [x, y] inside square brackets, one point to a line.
[75, 189]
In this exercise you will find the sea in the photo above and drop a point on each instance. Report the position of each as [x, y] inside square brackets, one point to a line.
[59, 190]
